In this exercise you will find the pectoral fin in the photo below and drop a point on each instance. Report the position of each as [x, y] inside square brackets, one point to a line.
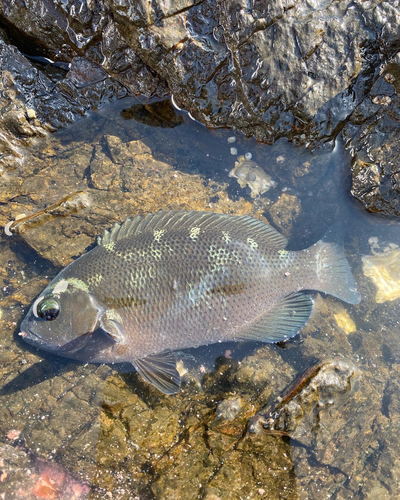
[160, 370]
[282, 322]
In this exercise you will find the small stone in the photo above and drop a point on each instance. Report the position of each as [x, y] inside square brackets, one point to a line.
[231, 140]
[13, 434]
[31, 114]
[345, 322]
[382, 100]
[229, 408]
[248, 156]
[390, 78]
[234, 151]
[248, 173]
[384, 271]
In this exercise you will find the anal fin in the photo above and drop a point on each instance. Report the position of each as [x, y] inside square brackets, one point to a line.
[282, 322]
[160, 370]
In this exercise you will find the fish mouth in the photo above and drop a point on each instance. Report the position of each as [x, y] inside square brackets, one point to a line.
[36, 340]
[69, 348]
[75, 345]
[30, 335]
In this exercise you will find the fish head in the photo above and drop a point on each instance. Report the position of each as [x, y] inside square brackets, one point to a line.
[62, 318]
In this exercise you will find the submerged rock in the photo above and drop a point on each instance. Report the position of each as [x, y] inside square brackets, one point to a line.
[344, 321]
[384, 271]
[298, 411]
[284, 212]
[229, 408]
[111, 179]
[248, 173]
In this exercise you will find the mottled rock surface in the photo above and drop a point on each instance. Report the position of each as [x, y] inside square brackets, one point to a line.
[373, 135]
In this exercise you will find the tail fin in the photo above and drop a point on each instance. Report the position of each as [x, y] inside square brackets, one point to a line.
[334, 275]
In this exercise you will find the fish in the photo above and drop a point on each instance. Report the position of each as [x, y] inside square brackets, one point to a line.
[158, 284]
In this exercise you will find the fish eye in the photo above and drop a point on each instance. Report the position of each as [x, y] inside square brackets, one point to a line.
[48, 309]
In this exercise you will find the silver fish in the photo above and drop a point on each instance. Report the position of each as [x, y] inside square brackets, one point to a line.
[175, 280]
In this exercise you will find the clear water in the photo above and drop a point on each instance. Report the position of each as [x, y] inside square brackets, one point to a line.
[73, 430]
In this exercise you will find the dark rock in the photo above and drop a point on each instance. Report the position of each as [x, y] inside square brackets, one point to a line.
[282, 69]
[373, 135]
[25, 87]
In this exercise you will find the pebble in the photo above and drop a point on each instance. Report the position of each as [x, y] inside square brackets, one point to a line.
[231, 139]
[234, 151]
[248, 156]
[31, 113]
[229, 408]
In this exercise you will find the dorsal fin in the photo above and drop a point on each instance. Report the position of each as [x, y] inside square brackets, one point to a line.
[242, 225]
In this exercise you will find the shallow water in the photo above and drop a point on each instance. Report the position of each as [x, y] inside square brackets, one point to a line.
[71, 430]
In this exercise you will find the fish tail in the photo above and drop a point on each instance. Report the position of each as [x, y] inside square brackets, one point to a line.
[334, 275]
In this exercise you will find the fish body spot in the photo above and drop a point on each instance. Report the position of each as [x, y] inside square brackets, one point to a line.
[109, 246]
[283, 255]
[226, 237]
[79, 284]
[194, 233]
[252, 243]
[95, 280]
[60, 287]
[159, 234]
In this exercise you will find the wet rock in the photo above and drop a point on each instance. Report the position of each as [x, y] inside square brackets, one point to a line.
[90, 85]
[219, 58]
[298, 412]
[25, 88]
[34, 101]
[373, 138]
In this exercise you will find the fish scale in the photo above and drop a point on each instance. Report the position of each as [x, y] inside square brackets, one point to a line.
[176, 280]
